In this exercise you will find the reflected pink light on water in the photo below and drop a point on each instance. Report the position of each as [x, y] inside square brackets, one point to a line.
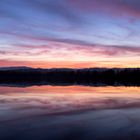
[69, 89]
[32, 101]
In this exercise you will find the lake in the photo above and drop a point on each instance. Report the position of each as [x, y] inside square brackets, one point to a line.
[69, 113]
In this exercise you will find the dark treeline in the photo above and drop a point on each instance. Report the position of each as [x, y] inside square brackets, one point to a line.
[89, 76]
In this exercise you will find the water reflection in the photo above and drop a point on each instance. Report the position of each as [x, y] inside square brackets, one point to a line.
[71, 110]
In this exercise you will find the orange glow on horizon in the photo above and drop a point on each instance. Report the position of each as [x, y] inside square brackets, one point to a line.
[71, 64]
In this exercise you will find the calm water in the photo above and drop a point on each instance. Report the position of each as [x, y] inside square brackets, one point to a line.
[69, 113]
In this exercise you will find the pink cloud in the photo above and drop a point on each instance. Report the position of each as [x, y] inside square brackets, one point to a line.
[68, 49]
[115, 7]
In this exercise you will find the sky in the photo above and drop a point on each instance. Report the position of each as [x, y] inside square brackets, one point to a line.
[70, 33]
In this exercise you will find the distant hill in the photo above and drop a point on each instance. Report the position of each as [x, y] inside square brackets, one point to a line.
[66, 69]
[15, 68]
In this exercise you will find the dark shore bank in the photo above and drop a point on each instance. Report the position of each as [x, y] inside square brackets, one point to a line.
[24, 76]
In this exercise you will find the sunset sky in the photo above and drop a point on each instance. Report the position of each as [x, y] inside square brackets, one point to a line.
[70, 33]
